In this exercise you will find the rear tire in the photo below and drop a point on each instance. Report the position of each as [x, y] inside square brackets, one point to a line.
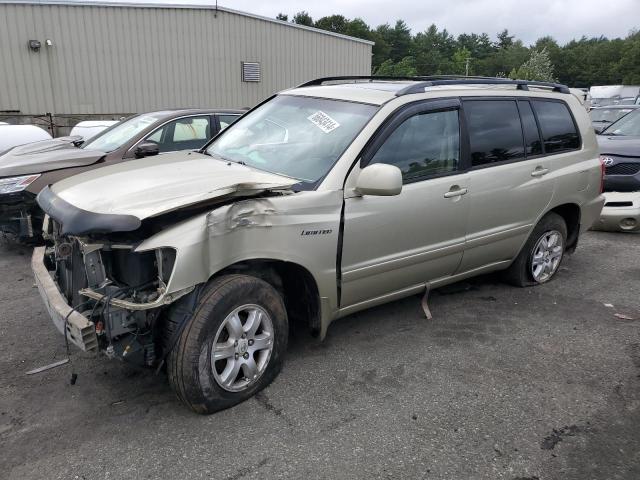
[540, 258]
[231, 347]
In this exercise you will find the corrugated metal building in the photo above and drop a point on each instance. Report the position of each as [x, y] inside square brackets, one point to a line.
[107, 58]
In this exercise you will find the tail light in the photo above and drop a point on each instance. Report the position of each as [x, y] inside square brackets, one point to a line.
[602, 172]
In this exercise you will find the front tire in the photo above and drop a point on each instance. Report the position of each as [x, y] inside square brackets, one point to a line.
[540, 258]
[231, 347]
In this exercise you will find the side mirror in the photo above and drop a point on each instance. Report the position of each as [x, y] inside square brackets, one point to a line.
[147, 149]
[379, 179]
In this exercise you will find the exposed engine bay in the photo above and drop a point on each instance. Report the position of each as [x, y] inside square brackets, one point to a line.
[118, 290]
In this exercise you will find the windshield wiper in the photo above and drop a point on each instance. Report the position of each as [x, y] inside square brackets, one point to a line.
[217, 156]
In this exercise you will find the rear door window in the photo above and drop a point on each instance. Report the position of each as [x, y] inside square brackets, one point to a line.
[191, 129]
[532, 141]
[495, 132]
[559, 132]
[226, 120]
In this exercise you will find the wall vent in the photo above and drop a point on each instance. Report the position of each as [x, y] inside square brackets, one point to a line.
[251, 72]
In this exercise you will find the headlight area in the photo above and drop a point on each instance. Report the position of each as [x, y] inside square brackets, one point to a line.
[121, 291]
[16, 184]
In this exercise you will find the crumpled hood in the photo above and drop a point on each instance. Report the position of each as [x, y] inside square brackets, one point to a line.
[154, 185]
[619, 145]
[47, 155]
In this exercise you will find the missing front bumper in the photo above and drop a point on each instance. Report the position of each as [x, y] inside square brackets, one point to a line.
[79, 330]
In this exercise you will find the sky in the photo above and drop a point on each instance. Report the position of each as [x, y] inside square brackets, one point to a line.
[527, 20]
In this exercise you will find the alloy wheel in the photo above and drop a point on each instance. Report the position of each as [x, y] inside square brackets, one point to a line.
[547, 254]
[242, 348]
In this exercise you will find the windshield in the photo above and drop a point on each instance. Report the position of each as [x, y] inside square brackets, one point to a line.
[299, 137]
[629, 125]
[608, 115]
[114, 137]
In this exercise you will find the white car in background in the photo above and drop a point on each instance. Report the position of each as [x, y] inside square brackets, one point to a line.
[14, 135]
[90, 128]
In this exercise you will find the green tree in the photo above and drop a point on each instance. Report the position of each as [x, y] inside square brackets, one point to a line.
[504, 39]
[358, 28]
[579, 63]
[403, 68]
[332, 23]
[401, 41]
[303, 18]
[629, 65]
[504, 59]
[538, 67]
[381, 49]
[479, 46]
[433, 51]
[461, 57]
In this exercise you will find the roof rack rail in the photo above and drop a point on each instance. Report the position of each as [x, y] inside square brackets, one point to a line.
[423, 82]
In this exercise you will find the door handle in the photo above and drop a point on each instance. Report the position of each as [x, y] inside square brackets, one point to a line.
[539, 172]
[455, 191]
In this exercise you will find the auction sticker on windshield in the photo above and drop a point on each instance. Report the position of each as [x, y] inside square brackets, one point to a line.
[323, 121]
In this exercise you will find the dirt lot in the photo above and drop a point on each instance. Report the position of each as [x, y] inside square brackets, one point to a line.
[539, 383]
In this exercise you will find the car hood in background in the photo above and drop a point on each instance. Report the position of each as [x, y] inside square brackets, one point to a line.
[155, 185]
[47, 155]
[619, 145]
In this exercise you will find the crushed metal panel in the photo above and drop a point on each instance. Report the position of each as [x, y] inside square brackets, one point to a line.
[246, 213]
[79, 330]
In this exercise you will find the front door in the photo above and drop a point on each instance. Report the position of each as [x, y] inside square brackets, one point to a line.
[394, 244]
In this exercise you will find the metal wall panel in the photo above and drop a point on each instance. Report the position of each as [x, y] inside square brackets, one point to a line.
[111, 59]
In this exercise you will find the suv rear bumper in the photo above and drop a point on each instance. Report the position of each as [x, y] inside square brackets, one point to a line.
[80, 331]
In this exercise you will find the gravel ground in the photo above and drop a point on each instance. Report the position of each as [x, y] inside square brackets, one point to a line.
[537, 383]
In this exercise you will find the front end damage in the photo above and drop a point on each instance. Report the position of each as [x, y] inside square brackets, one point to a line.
[102, 295]
[19, 215]
[115, 265]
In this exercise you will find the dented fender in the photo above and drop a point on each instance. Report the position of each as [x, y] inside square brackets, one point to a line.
[301, 228]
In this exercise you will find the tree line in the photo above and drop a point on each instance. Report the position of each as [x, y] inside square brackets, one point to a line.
[578, 63]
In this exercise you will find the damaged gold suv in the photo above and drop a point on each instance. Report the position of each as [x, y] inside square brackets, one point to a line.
[332, 197]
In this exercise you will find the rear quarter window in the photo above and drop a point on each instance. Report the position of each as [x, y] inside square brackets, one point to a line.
[559, 132]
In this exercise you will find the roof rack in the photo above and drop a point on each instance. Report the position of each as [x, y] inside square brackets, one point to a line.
[423, 82]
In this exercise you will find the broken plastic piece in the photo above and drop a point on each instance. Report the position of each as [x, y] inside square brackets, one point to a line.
[48, 367]
[425, 304]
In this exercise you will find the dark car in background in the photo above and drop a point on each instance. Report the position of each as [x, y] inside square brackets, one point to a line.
[27, 169]
[619, 146]
[602, 117]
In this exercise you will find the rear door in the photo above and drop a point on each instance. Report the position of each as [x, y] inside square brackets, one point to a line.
[394, 244]
[509, 185]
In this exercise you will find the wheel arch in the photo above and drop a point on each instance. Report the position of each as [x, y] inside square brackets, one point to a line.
[570, 212]
[293, 281]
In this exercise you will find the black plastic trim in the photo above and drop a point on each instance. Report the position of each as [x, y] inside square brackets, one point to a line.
[76, 221]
